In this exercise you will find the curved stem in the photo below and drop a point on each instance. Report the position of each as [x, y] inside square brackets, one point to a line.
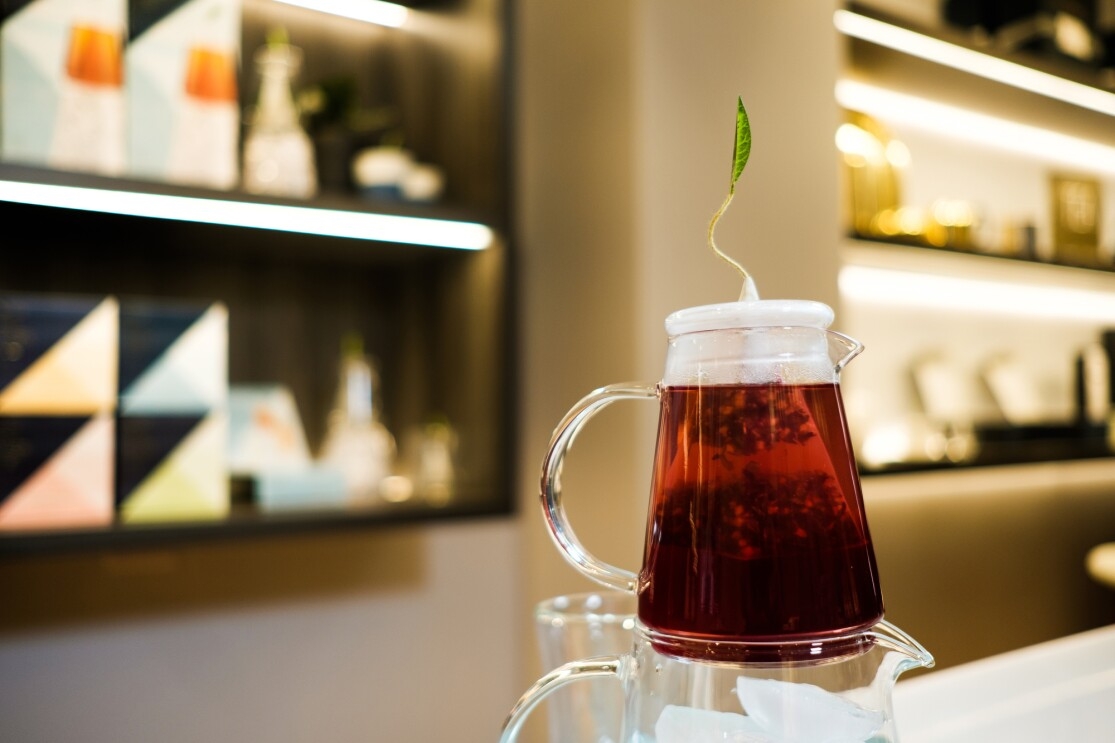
[748, 292]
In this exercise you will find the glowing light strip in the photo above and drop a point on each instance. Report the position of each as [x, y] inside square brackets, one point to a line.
[370, 11]
[976, 63]
[906, 288]
[306, 220]
[987, 131]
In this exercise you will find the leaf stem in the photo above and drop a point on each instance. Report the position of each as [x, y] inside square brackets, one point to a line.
[748, 292]
[711, 238]
[740, 155]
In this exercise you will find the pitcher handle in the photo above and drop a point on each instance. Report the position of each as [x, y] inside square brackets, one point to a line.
[555, 679]
[556, 520]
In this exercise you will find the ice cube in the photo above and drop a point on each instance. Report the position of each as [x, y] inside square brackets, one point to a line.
[804, 713]
[679, 724]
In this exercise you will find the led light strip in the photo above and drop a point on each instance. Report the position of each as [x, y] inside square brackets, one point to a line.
[906, 288]
[988, 131]
[370, 11]
[306, 220]
[976, 63]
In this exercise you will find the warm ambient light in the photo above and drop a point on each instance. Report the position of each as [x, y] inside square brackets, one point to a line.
[976, 63]
[303, 219]
[860, 147]
[371, 11]
[907, 288]
[988, 131]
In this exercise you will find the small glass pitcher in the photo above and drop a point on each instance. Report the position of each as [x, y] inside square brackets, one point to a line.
[756, 528]
[834, 690]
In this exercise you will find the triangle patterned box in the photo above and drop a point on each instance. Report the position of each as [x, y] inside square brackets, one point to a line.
[172, 415]
[58, 354]
[181, 75]
[173, 357]
[56, 471]
[172, 468]
[58, 383]
[62, 73]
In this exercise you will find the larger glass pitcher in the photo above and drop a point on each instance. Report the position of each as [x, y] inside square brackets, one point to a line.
[834, 690]
[756, 529]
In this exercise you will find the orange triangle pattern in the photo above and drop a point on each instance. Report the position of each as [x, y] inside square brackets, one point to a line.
[75, 376]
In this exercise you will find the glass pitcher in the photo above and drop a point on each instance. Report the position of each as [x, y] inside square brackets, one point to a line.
[756, 527]
[831, 690]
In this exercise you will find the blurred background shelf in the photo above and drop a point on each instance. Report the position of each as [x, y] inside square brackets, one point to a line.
[920, 258]
[82, 192]
[244, 522]
[437, 322]
[1018, 445]
[932, 23]
[959, 267]
[162, 217]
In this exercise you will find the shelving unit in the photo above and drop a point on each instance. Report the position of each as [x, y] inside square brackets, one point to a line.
[434, 313]
[414, 224]
[978, 137]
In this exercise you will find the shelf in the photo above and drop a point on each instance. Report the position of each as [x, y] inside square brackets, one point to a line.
[916, 256]
[435, 320]
[945, 67]
[1088, 474]
[427, 286]
[1007, 445]
[243, 522]
[1062, 79]
[987, 127]
[329, 216]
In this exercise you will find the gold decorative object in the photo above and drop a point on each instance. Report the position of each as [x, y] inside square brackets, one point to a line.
[870, 160]
[1076, 214]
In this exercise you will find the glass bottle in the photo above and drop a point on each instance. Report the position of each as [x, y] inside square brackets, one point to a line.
[278, 154]
[356, 442]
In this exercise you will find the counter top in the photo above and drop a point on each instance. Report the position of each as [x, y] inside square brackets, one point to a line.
[1059, 690]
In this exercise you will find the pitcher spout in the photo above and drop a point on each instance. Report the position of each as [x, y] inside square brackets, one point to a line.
[842, 349]
[910, 653]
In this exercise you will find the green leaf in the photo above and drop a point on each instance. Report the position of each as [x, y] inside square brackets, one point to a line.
[743, 142]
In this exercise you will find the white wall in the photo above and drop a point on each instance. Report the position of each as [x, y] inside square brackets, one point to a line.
[400, 635]
[576, 199]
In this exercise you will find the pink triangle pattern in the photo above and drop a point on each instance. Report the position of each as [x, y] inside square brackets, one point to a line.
[73, 488]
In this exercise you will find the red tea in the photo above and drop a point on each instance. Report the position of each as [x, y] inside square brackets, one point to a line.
[756, 528]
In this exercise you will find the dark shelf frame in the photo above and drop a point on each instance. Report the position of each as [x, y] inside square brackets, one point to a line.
[242, 524]
[428, 280]
[18, 173]
[914, 245]
[1100, 78]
